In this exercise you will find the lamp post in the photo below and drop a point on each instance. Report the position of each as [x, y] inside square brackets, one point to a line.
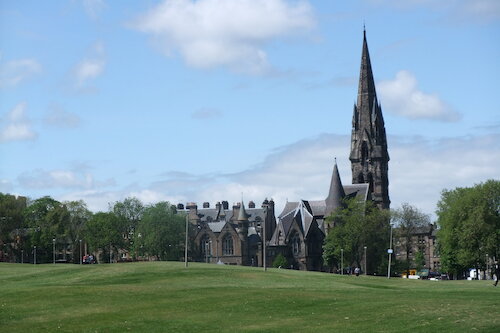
[34, 255]
[365, 261]
[487, 266]
[22, 256]
[81, 257]
[54, 250]
[264, 244]
[389, 251]
[342, 261]
[186, 244]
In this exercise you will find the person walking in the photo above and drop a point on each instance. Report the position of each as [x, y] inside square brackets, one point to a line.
[497, 274]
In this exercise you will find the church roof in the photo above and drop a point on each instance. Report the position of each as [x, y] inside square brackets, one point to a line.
[336, 193]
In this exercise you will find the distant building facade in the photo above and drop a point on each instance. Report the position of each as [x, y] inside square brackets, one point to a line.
[230, 236]
[423, 240]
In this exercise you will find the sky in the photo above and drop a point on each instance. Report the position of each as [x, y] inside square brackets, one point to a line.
[211, 100]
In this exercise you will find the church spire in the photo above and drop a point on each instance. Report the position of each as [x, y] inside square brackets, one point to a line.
[366, 87]
[369, 156]
[336, 193]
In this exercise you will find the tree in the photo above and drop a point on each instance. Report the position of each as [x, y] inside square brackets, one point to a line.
[129, 211]
[469, 221]
[357, 225]
[102, 234]
[160, 233]
[45, 219]
[280, 261]
[79, 215]
[407, 221]
[11, 224]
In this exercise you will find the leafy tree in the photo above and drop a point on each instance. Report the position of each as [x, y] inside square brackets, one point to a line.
[79, 215]
[469, 221]
[129, 211]
[102, 234]
[419, 260]
[160, 233]
[407, 221]
[46, 219]
[280, 261]
[11, 224]
[358, 225]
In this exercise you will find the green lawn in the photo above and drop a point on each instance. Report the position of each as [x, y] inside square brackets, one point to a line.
[166, 297]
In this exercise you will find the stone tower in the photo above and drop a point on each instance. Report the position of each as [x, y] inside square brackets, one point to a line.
[369, 156]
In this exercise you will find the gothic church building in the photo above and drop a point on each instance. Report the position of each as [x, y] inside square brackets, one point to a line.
[237, 236]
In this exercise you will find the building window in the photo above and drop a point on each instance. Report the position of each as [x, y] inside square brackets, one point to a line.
[227, 245]
[205, 246]
[296, 244]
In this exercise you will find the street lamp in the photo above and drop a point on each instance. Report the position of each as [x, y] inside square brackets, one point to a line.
[365, 262]
[54, 250]
[34, 255]
[81, 257]
[186, 244]
[487, 266]
[342, 261]
[389, 251]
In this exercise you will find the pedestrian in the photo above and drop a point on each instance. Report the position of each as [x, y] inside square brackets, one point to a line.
[497, 274]
[356, 271]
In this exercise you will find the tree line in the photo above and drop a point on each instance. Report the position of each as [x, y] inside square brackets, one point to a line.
[468, 232]
[70, 230]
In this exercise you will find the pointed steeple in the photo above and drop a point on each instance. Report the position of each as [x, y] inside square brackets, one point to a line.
[336, 193]
[369, 156]
[367, 95]
[242, 214]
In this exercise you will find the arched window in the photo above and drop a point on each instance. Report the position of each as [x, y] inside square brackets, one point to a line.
[364, 152]
[295, 241]
[205, 246]
[227, 245]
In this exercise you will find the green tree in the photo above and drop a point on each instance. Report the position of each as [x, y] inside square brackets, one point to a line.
[79, 215]
[407, 221]
[129, 211]
[102, 233]
[419, 260]
[469, 221]
[46, 219]
[358, 225]
[11, 225]
[160, 233]
[280, 261]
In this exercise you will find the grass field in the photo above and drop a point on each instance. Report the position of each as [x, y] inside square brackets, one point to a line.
[166, 297]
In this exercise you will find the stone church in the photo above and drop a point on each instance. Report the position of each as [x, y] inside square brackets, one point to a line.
[235, 236]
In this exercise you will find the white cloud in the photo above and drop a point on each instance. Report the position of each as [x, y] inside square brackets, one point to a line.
[93, 8]
[5, 186]
[66, 179]
[206, 113]
[418, 171]
[91, 67]
[14, 72]
[481, 10]
[457, 11]
[58, 117]
[18, 126]
[232, 33]
[401, 96]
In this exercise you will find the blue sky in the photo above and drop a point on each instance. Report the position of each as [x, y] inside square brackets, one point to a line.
[210, 100]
